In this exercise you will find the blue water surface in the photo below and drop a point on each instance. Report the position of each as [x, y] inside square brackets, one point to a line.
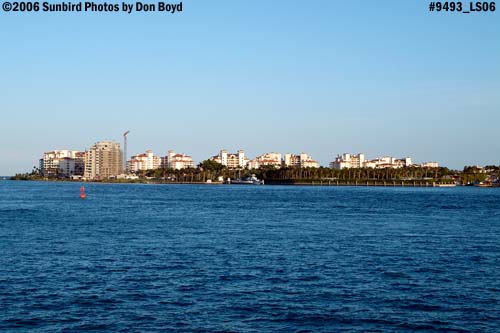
[222, 258]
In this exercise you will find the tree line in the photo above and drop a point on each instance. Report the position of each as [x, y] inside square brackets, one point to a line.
[210, 170]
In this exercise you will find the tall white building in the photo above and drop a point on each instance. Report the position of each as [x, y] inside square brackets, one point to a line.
[177, 161]
[62, 163]
[232, 161]
[103, 160]
[143, 162]
[72, 166]
[303, 160]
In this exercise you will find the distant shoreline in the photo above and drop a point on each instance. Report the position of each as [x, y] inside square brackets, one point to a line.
[323, 183]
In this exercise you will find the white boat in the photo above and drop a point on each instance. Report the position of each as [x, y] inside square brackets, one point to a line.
[250, 180]
[446, 185]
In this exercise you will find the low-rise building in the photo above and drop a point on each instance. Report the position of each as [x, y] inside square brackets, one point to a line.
[127, 177]
[430, 165]
[388, 162]
[381, 162]
[353, 161]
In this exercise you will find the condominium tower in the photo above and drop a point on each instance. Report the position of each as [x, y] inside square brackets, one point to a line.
[142, 162]
[103, 160]
[302, 160]
[177, 161]
[230, 160]
[62, 163]
[348, 161]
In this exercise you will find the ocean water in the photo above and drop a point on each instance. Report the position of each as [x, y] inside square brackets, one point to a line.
[194, 258]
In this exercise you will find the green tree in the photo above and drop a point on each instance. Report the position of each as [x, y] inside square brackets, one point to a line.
[211, 165]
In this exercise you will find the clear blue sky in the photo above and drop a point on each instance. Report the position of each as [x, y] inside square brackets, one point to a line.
[323, 77]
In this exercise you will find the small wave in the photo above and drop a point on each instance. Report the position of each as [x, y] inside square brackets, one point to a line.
[394, 274]
[91, 327]
[32, 322]
[17, 210]
[421, 307]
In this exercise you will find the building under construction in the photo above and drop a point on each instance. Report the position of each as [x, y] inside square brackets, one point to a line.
[103, 160]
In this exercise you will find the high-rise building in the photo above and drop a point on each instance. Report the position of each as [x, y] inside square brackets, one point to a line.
[232, 161]
[142, 162]
[348, 161]
[268, 159]
[303, 161]
[62, 163]
[103, 160]
[177, 161]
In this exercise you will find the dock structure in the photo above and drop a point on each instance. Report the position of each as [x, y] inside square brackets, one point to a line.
[416, 183]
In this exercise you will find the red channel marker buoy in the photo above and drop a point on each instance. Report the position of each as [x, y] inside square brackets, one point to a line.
[82, 193]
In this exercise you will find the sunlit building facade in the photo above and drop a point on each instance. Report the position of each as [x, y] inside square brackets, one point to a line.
[103, 160]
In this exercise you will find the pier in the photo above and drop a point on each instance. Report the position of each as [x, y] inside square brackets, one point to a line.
[395, 183]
